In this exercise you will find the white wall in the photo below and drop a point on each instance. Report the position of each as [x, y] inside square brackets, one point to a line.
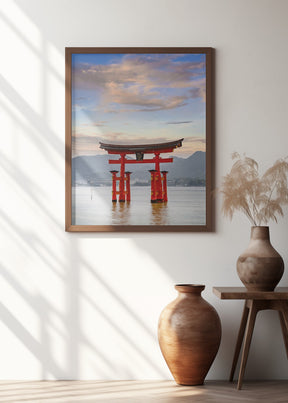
[86, 306]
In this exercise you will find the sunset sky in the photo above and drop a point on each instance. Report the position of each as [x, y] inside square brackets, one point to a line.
[138, 99]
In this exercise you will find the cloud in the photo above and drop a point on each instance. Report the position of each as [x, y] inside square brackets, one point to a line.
[84, 145]
[101, 123]
[77, 107]
[199, 90]
[143, 82]
[180, 123]
[195, 139]
[144, 70]
[192, 144]
[143, 97]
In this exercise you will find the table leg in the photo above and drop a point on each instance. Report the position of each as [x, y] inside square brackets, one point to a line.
[239, 340]
[283, 314]
[247, 341]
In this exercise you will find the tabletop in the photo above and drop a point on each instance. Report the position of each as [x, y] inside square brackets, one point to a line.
[243, 293]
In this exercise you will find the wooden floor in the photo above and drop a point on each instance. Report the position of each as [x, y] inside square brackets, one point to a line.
[141, 392]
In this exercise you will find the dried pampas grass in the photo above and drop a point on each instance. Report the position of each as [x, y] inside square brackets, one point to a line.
[259, 198]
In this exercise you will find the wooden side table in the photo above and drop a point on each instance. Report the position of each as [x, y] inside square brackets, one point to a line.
[254, 301]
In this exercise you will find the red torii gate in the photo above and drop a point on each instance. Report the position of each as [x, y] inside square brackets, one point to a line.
[158, 182]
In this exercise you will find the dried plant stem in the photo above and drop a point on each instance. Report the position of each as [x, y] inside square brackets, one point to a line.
[249, 215]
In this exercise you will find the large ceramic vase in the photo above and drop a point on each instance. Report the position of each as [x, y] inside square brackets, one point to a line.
[260, 267]
[189, 335]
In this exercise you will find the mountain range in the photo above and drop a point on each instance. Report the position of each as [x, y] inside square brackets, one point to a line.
[95, 170]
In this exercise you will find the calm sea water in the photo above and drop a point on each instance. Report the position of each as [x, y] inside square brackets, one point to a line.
[93, 206]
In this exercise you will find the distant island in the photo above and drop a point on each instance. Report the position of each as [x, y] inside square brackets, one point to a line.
[95, 171]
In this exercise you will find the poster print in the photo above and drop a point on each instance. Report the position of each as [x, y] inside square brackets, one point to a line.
[138, 139]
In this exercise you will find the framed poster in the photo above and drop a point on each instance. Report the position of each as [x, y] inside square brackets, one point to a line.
[139, 139]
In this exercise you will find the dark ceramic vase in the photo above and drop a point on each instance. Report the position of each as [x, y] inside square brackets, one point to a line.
[260, 267]
[189, 335]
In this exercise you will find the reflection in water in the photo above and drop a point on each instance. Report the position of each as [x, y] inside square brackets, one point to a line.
[159, 213]
[93, 206]
[120, 213]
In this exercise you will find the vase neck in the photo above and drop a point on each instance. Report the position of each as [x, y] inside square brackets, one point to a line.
[260, 232]
[190, 289]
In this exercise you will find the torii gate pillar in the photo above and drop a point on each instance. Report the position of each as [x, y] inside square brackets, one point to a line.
[164, 186]
[127, 179]
[114, 185]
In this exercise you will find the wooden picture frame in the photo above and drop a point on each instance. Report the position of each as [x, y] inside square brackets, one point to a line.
[135, 107]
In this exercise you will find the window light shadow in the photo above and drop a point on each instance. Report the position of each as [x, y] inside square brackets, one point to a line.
[67, 264]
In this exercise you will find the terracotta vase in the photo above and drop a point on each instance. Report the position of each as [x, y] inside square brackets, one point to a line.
[189, 335]
[260, 267]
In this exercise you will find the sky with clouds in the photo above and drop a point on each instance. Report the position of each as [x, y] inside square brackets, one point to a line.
[138, 99]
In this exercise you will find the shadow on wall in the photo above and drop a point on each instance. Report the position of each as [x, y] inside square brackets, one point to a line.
[58, 323]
